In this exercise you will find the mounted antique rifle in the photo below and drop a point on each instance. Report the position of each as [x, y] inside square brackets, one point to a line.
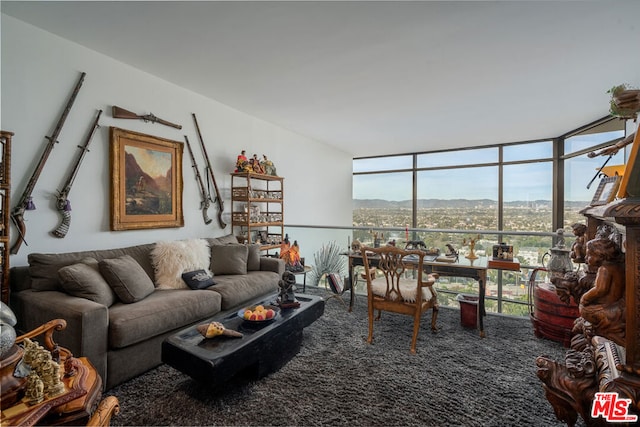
[611, 151]
[121, 113]
[26, 202]
[212, 178]
[63, 205]
[206, 197]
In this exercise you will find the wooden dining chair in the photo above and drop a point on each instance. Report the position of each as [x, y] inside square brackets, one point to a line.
[400, 286]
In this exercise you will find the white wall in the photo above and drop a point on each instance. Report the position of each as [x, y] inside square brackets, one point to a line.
[39, 71]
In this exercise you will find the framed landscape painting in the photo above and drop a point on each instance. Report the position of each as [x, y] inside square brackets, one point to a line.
[146, 181]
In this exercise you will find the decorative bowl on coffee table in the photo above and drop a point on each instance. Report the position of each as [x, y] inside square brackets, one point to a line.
[260, 314]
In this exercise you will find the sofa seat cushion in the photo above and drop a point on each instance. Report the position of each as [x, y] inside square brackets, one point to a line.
[160, 312]
[238, 289]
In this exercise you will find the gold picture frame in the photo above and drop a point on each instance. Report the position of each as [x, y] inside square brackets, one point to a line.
[146, 181]
[606, 191]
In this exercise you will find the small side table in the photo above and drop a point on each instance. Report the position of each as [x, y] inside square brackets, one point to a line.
[307, 268]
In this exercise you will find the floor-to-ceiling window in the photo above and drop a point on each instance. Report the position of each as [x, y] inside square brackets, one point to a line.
[581, 176]
[514, 193]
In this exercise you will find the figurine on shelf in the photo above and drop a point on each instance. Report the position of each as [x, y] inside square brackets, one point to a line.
[242, 163]
[256, 167]
[578, 248]
[267, 166]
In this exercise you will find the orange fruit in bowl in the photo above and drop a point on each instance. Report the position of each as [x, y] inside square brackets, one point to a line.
[247, 314]
[269, 314]
[259, 308]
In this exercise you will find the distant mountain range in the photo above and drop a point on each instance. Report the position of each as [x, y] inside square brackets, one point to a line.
[453, 203]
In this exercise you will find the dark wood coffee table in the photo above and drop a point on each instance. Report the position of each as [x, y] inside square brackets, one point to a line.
[263, 348]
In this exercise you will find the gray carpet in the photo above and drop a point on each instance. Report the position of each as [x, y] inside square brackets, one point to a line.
[337, 379]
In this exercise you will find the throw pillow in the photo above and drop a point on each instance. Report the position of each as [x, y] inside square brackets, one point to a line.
[253, 257]
[228, 239]
[171, 259]
[199, 279]
[229, 259]
[127, 278]
[84, 280]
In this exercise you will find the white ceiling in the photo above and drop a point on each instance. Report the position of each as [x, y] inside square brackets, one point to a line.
[375, 77]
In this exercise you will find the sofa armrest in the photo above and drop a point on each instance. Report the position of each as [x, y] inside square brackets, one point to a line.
[19, 278]
[272, 264]
[86, 333]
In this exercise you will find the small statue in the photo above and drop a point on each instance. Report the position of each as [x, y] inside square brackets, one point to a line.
[603, 306]
[578, 248]
[571, 285]
[355, 246]
[71, 366]
[256, 167]
[242, 163]
[472, 245]
[286, 297]
[53, 386]
[267, 166]
[35, 389]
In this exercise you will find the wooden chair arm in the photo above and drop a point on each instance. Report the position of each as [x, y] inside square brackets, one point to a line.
[48, 329]
[106, 409]
[431, 280]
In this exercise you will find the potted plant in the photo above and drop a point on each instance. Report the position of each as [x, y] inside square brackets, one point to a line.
[625, 102]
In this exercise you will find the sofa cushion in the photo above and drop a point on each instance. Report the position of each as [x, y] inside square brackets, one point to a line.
[198, 279]
[160, 312]
[253, 257]
[84, 280]
[171, 259]
[236, 290]
[127, 278]
[228, 239]
[43, 268]
[229, 259]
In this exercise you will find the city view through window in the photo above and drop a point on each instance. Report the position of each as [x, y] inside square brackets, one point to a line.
[492, 194]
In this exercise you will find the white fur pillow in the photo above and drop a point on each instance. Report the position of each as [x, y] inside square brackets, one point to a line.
[171, 259]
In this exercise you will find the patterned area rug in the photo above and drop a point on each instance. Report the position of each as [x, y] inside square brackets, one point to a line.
[337, 379]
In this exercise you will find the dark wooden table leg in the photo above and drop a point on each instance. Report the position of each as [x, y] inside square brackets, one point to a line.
[482, 281]
[352, 285]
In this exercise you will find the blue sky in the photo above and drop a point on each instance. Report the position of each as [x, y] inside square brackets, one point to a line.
[531, 181]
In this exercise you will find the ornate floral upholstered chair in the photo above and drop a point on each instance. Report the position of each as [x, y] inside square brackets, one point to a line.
[400, 286]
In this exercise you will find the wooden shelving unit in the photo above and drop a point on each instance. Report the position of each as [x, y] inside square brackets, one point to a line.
[5, 208]
[257, 213]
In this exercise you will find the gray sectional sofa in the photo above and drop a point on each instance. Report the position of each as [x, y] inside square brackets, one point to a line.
[117, 311]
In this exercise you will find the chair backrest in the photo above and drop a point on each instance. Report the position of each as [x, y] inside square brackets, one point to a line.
[393, 262]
